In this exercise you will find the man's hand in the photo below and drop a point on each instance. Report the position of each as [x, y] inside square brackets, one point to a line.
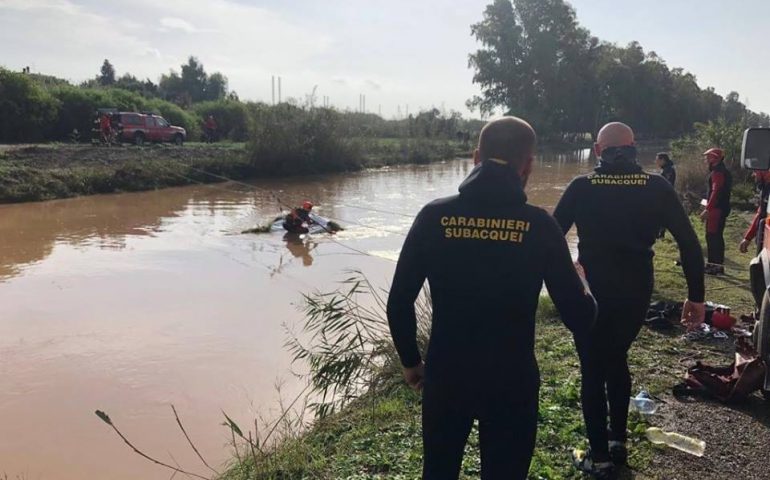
[744, 246]
[415, 375]
[704, 214]
[693, 314]
[582, 274]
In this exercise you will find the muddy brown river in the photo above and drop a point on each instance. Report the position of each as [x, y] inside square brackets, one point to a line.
[129, 303]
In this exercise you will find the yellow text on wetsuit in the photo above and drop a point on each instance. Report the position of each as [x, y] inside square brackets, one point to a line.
[480, 228]
[633, 179]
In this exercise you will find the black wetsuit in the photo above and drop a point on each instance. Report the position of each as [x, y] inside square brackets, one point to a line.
[485, 254]
[720, 186]
[618, 211]
[293, 222]
[669, 173]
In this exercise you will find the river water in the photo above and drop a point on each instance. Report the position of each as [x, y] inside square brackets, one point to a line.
[129, 303]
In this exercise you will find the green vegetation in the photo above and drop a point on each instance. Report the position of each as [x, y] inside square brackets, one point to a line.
[687, 153]
[537, 62]
[65, 170]
[368, 423]
[61, 171]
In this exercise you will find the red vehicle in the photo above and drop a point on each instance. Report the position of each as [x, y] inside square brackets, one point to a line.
[755, 155]
[139, 128]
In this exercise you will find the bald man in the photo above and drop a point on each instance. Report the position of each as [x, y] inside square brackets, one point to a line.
[619, 210]
[485, 254]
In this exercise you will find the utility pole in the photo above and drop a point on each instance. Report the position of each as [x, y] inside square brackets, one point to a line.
[273, 89]
[279, 89]
[364, 109]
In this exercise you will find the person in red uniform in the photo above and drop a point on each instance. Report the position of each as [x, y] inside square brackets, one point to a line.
[297, 220]
[211, 129]
[757, 227]
[720, 184]
[105, 126]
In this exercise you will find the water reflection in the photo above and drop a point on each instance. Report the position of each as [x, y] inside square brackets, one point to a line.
[300, 246]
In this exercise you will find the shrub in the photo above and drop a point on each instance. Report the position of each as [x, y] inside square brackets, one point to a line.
[289, 140]
[346, 343]
[691, 172]
[27, 111]
[231, 117]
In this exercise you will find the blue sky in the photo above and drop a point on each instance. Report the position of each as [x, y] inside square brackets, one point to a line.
[397, 52]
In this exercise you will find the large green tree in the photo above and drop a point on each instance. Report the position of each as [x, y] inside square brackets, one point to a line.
[536, 61]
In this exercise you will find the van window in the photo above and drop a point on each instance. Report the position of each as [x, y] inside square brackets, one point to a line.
[161, 122]
[150, 121]
[131, 120]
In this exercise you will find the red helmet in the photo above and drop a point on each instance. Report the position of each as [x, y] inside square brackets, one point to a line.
[307, 205]
[714, 154]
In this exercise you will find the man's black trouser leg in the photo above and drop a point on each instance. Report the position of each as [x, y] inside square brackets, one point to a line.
[605, 374]
[506, 438]
[715, 240]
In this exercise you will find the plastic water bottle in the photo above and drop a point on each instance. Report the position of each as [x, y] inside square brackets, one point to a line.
[681, 442]
[643, 404]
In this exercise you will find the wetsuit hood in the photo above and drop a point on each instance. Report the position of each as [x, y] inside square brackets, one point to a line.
[490, 182]
[617, 167]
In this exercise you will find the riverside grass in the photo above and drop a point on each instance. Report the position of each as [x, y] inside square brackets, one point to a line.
[46, 172]
[377, 435]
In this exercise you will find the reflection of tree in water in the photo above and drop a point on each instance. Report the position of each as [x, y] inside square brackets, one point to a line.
[29, 232]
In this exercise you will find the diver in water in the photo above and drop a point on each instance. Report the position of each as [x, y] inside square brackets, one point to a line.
[298, 219]
[619, 210]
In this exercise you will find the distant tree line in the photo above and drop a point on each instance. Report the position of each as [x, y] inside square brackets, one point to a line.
[36, 107]
[538, 62]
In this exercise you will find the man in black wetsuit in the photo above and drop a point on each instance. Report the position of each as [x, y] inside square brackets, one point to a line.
[618, 210]
[485, 254]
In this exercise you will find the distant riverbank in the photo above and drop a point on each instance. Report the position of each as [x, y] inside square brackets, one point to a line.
[46, 172]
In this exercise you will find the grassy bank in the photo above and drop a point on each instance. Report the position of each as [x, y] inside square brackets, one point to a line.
[378, 435]
[46, 172]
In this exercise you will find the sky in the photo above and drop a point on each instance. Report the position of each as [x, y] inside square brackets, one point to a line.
[401, 54]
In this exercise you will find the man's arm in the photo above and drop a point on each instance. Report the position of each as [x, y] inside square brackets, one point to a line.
[564, 213]
[678, 223]
[569, 293]
[751, 233]
[407, 283]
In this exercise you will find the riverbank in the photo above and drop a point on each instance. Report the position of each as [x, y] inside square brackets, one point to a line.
[45, 172]
[52, 171]
[379, 435]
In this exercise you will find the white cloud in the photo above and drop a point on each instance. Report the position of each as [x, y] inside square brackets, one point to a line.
[345, 49]
[174, 23]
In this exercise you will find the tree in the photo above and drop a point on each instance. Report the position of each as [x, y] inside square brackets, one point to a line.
[216, 87]
[536, 61]
[193, 85]
[107, 76]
